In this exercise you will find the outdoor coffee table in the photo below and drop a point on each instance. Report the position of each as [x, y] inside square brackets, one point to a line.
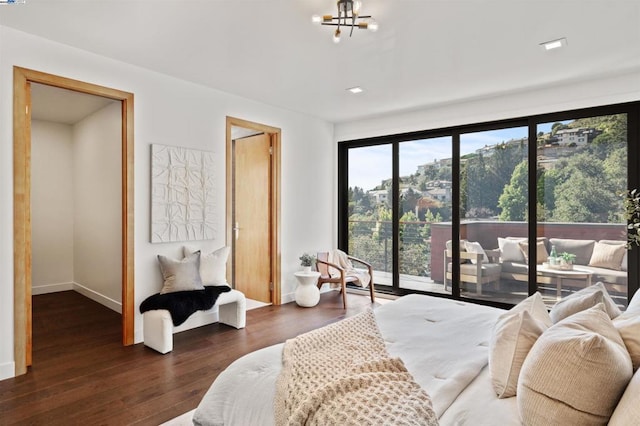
[562, 274]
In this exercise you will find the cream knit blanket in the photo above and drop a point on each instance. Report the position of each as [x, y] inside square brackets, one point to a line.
[341, 374]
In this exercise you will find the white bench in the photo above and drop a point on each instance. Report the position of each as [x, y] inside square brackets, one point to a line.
[158, 327]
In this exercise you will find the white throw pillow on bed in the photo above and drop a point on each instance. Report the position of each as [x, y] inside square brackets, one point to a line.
[213, 266]
[575, 373]
[511, 340]
[628, 325]
[627, 412]
[584, 299]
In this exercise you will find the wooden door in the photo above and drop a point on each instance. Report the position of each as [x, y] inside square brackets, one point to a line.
[252, 217]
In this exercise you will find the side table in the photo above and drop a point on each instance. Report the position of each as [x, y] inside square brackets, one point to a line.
[307, 293]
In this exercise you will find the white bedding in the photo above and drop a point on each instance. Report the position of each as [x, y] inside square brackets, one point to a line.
[442, 342]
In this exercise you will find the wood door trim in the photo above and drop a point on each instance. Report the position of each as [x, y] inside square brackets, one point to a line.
[22, 79]
[275, 135]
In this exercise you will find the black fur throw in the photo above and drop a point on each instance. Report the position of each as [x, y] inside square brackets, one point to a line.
[181, 304]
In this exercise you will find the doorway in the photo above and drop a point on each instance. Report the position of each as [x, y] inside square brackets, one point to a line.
[253, 209]
[23, 78]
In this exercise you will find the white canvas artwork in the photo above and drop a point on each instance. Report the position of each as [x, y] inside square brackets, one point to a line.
[182, 194]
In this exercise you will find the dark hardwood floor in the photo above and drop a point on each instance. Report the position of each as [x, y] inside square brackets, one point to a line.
[82, 375]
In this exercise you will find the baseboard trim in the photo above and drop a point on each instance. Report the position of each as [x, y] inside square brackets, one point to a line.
[7, 370]
[288, 298]
[97, 297]
[51, 288]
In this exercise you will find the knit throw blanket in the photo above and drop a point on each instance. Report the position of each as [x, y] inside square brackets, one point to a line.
[341, 374]
[182, 304]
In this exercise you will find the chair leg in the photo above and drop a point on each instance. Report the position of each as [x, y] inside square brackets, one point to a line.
[373, 298]
[344, 294]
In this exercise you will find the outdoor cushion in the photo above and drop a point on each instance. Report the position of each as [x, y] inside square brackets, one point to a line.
[581, 248]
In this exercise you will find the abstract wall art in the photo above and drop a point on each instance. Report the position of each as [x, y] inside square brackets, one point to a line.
[182, 194]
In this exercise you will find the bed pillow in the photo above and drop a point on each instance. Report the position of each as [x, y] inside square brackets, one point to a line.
[213, 266]
[584, 299]
[511, 340]
[536, 307]
[607, 256]
[628, 325]
[475, 247]
[575, 373]
[180, 275]
[628, 410]
[541, 251]
[510, 250]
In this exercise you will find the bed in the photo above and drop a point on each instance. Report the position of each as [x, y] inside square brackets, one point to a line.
[443, 344]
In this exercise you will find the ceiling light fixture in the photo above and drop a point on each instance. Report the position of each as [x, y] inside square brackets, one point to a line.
[554, 44]
[355, 90]
[348, 16]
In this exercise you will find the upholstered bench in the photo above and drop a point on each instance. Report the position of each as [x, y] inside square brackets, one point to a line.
[158, 327]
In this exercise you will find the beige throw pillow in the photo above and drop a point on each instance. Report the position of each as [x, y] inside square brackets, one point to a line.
[628, 325]
[627, 413]
[511, 340]
[213, 266]
[180, 275]
[575, 373]
[607, 256]
[541, 251]
[536, 307]
[584, 299]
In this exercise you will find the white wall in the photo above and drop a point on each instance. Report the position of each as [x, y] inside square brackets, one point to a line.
[97, 186]
[172, 112]
[51, 206]
[618, 88]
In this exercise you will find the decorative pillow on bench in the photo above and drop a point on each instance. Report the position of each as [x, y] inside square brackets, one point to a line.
[213, 266]
[180, 275]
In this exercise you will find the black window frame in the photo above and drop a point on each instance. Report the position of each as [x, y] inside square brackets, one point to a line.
[631, 109]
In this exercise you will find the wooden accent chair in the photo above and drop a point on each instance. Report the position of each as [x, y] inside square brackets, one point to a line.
[323, 265]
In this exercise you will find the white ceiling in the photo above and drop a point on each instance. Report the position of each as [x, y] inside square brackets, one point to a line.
[63, 106]
[426, 52]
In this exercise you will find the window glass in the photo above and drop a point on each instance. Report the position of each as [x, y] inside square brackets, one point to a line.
[582, 176]
[370, 227]
[494, 203]
[425, 212]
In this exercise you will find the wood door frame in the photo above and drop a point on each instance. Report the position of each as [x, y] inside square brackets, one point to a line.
[275, 136]
[22, 79]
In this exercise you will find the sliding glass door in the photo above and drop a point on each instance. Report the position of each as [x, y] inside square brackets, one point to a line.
[476, 211]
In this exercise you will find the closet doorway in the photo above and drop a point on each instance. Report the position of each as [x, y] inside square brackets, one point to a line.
[24, 81]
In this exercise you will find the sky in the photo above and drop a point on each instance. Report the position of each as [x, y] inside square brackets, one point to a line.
[369, 166]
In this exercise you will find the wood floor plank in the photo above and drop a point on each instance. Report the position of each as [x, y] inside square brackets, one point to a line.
[82, 375]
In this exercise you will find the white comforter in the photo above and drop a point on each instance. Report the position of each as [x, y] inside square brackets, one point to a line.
[442, 342]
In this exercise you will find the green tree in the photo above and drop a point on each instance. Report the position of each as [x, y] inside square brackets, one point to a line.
[514, 200]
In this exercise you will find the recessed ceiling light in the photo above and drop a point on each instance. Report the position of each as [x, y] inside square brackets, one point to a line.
[554, 44]
[356, 89]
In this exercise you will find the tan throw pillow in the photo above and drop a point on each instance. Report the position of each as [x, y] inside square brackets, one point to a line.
[584, 299]
[575, 373]
[511, 340]
[541, 251]
[536, 307]
[180, 275]
[607, 256]
[627, 413]
[213, 266]
[634, 303]
[628, 325]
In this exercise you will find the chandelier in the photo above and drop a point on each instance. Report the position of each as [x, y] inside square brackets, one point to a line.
[348, 17]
